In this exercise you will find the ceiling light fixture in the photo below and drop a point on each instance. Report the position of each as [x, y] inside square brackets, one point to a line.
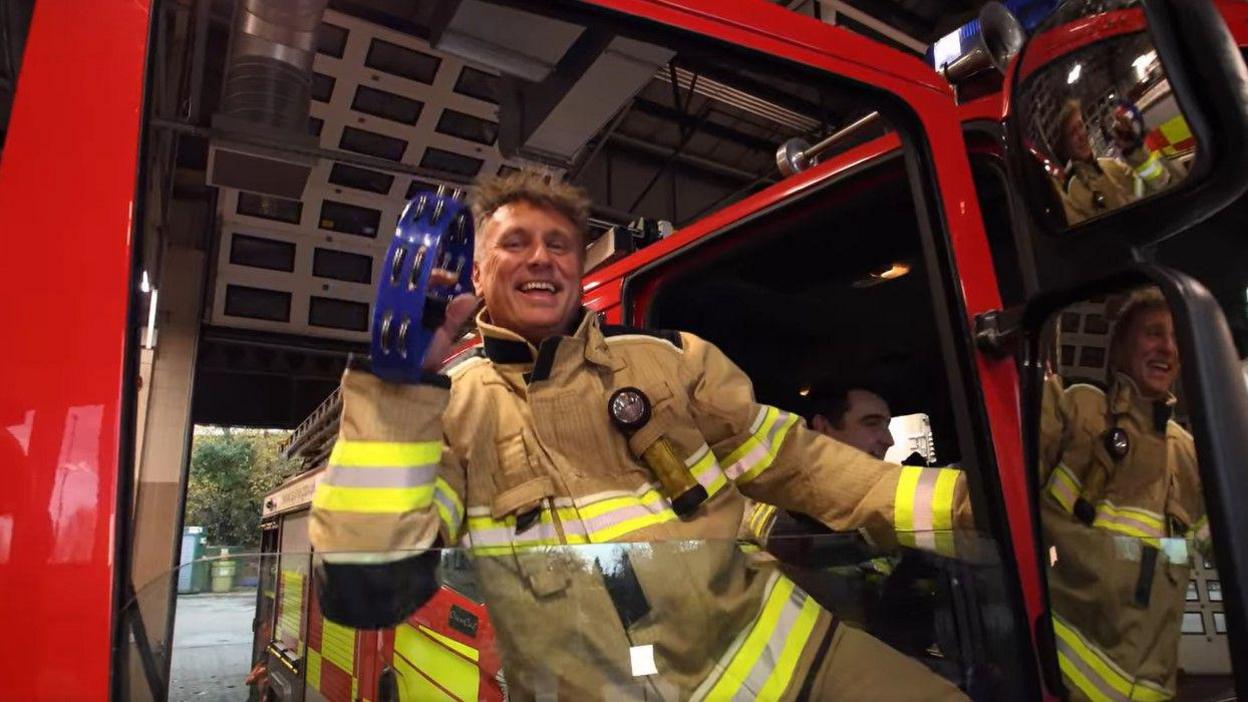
[892, 271]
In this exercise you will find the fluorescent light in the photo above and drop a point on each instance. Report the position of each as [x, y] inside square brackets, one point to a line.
[1075, 71]
[151, 321]
[893, 271]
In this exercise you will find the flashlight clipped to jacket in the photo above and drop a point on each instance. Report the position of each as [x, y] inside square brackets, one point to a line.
[630, 410]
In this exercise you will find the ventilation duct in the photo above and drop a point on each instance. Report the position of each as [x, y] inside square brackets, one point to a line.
[266, 98]
[560, 83]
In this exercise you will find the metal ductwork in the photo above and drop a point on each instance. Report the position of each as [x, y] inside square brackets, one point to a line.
[559, 83]
[1000, 38]
[266, 98]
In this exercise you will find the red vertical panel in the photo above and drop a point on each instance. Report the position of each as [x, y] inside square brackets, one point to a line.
[67, 186]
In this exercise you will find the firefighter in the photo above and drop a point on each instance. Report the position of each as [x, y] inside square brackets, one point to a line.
[1090, 185]
[1121, 503]
[854, 416]
[562, 431]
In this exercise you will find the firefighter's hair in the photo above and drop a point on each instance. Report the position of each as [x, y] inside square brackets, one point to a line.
[832, 403]
[1140, 301]
[533, 187]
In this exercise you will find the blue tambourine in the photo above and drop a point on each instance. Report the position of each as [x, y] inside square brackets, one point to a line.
[435, 231]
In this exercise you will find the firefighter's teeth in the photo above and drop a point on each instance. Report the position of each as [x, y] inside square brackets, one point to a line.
[537, 285]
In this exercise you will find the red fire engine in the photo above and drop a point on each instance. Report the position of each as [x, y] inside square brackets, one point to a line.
[931, 239]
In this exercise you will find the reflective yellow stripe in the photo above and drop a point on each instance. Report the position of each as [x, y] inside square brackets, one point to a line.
[707, 472]
[1151, 168]
[758, 451]
[942, 500]
[450, 670]
[461, 648]
[1094, 673]
[793, 646]
[450, 509]
[338, 645]
[371, 499]
[903, 498]
[314, 669]
[350, 453]
[1064, 487]
[291, 613]
[762, 659]
[596, 522]
[743, 660]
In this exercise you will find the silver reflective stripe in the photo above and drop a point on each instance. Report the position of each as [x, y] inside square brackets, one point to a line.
[763, 449]
[381, 477]
[923, 492]
[770, 655]
[450, 505]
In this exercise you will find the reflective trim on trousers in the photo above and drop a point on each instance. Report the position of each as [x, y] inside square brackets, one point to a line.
[1095, 674]
[760, 663]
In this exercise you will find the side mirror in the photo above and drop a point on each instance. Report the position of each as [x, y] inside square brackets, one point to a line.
[1135, 409]
[1130, 115]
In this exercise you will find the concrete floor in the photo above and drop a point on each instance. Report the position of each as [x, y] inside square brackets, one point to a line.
[212, 647]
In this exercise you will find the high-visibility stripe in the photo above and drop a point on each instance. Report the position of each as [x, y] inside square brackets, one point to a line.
[349, 454]
[371, 500]
[375, 477]
[314, 669]
[758, 451]
[940, 542]
[923, 500]
[903, 502]
[429, 657]
[706, 470]
[399, 477]
[942, 518]
[595, 518]
[338, 645]
[1064, 487]
[462, 649]
[1095, 674]
[1130, 521]
[290, 612]
[760, 662]
[450, 509]
[1151, 169]
[760, 521]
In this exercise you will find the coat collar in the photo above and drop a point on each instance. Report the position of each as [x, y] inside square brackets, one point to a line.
[1126, 399]
[505, 347]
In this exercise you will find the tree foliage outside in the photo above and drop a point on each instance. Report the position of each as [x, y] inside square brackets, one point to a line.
[231, 472]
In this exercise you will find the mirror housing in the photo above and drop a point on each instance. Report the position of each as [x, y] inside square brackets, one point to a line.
[1214, 387]
[1208, 80]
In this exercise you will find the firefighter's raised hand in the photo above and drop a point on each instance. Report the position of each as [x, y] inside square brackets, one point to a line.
[458, 311]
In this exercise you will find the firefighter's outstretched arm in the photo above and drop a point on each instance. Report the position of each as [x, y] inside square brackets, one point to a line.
[392, 492]
[774, 458]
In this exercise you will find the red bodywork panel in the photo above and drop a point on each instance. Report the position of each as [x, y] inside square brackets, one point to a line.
[67, 184]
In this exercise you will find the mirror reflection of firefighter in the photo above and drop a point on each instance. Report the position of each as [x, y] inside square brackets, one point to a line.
[562, 431]
[1122, 502]
[1092, 185]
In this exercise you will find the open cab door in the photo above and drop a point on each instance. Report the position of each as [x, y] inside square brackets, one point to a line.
[1127, 132]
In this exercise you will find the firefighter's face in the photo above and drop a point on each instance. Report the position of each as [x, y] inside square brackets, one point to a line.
[1152, 357]
[1075, 132]
[529, 269]
[865, 426]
